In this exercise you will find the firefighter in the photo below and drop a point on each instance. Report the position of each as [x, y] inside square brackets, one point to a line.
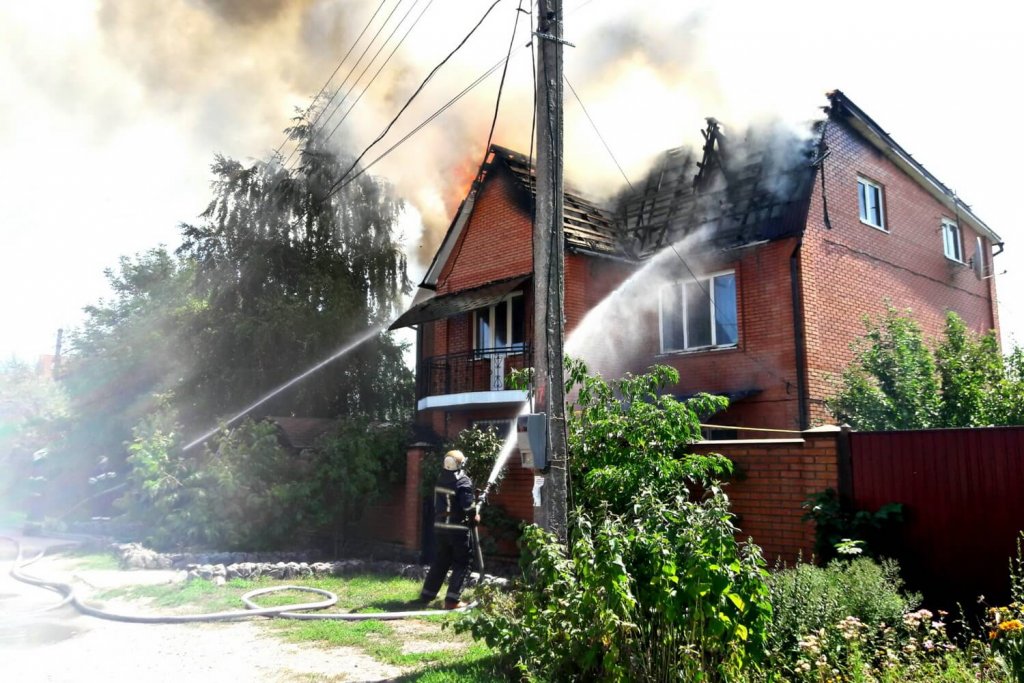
[454, 514]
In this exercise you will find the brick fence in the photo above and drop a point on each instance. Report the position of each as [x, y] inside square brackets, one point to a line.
[773, 477]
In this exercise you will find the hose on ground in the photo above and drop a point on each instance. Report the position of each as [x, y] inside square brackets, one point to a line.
[300, 611]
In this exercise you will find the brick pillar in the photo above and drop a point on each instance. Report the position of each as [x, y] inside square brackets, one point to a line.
[411, 502]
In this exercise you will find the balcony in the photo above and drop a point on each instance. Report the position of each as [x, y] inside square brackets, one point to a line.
[470, 379]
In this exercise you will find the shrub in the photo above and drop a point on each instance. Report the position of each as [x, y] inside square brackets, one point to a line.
[807, 599]
[837, 526]
[247, 492]
[1005, 625]
[666, 595]
[653, 585]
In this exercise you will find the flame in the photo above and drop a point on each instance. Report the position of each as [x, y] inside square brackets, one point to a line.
[460, 180]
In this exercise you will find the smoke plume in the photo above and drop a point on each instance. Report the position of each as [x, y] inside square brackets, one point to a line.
[236, 71]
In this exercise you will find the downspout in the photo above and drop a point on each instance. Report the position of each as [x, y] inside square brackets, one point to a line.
[798, 336]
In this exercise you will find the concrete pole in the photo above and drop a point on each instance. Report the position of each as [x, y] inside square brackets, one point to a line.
[549, 264]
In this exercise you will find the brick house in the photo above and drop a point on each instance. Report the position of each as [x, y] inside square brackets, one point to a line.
[765, 252]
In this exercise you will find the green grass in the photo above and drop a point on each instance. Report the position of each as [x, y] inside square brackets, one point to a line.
[197, 596]
[86, 558]
[477, 666]
[459, 659]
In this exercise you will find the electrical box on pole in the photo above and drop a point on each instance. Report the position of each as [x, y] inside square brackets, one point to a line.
[532, 439]
[549, 266]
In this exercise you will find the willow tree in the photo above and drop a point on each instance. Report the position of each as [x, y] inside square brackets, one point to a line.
[291, 265]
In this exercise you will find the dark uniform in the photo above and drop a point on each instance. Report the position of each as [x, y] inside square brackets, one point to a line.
[454, 512]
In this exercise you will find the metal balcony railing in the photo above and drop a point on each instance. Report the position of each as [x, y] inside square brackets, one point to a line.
[479, 370]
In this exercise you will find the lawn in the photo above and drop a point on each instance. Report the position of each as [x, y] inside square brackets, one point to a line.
[428, 647]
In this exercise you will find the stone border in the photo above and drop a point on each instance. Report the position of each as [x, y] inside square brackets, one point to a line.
[222, 567]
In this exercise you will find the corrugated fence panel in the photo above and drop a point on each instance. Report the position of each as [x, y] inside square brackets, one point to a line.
[962, 491]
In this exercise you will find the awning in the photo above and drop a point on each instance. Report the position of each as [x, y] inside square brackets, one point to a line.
[447, 305]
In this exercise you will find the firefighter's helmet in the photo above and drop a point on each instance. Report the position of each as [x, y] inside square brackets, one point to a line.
[454, 461]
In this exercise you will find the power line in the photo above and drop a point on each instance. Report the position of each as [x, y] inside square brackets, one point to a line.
[347, 76]
[330, 78]
[449, 104]
[599, 136]
[412, 97]
[385, 63]
[501, 85]
[480, 79]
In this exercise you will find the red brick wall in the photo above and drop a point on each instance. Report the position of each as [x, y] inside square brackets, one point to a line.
[850, 270]
[497, 241]
[765, 356]
[775, 477]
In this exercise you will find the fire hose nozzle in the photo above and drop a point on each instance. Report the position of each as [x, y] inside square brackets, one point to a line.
[483, 495]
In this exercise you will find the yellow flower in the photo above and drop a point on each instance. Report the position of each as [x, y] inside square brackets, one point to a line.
[1011, 625]
[992, 635]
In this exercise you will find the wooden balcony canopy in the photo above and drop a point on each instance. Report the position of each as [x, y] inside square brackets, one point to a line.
[447, 305]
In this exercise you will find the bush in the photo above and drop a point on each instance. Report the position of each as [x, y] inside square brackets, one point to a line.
[653, 585]
[807, 599]
[1005, 625]
[248, 493]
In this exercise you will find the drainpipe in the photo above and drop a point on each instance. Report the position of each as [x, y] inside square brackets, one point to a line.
[798, 336]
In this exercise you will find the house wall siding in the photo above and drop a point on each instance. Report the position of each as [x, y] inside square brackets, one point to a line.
[852, 269]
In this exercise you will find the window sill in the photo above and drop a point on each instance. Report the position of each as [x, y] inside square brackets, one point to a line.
[879, 228]
[956, 262]
[692, 352]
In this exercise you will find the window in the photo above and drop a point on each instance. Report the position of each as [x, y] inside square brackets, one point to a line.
[952, 241]
[699, 314]
[499, 428]
[501, 325]
[871, 204]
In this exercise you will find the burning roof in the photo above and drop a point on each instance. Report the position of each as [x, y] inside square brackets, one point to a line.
[587, 226]
[750, 190]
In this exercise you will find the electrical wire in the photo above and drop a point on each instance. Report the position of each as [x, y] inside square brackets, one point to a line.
[347, 76]
[599, 136]
[412, 97]
[383, 64]
[501, 84]
[480, 79]
[452, 102]
[330, 78]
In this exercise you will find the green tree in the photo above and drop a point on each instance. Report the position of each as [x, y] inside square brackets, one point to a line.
[898, 382]
[970, 373]
[290, 268]
[33, 410]
[281, 271]
[127, 354]
[892, 384]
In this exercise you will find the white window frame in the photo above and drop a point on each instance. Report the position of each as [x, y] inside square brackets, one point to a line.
[492, 312]
[865, 218]
[707, 283]
[951, 232]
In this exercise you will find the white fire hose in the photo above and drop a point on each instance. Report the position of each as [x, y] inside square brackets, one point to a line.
[299, 611]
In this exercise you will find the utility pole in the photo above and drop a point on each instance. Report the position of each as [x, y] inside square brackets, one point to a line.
[549, 265]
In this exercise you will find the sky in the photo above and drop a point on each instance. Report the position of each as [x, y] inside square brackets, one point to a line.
[112, 112]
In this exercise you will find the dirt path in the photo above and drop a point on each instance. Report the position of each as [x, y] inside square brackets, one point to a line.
[62, 645]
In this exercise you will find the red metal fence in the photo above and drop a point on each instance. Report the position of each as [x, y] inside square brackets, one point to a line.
[963, 494]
